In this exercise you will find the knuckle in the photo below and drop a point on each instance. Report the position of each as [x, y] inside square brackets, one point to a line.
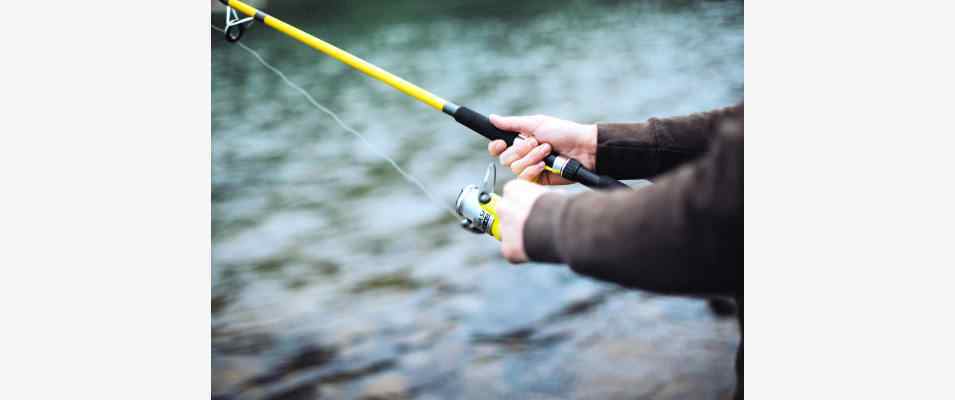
[506, 157]
[524, 146]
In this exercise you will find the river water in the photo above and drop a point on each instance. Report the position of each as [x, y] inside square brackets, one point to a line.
[335, 278]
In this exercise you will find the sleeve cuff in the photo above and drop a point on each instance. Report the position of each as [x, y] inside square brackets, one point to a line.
[542, 228]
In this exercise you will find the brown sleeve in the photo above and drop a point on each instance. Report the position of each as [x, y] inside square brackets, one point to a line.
[647, 149]
[683, 234]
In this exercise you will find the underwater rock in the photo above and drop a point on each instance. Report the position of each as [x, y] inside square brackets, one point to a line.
[229, 372]
[399, 280]
[387, 386]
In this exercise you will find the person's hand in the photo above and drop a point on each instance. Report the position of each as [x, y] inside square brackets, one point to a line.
[512, 211]
[542, 135]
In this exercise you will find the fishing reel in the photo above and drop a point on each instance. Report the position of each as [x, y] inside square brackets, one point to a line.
[234, 26]
[476, 205]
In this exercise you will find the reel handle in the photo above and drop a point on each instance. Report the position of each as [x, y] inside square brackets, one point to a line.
[569, 168]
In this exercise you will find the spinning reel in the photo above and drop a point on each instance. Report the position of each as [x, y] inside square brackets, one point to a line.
[476, 205]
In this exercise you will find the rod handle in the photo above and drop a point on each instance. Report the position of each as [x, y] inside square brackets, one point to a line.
[569, 168]
[573, 170]
[481, 124]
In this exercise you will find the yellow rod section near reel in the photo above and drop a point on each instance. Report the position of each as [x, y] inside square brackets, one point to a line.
[341, 55]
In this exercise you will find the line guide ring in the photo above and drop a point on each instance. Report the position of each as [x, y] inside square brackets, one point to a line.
[234, 26]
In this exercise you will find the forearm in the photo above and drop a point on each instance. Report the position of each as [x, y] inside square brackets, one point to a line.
[681, 235]
[654, 147]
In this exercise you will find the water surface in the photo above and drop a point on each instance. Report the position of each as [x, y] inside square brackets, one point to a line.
[333, 277]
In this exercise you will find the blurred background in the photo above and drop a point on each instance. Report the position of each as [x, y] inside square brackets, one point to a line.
[334, 278]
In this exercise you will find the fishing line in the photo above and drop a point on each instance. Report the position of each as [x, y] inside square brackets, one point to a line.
[407, 176]
[566, 167]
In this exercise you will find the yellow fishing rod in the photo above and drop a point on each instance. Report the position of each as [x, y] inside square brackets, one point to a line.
[564, 166]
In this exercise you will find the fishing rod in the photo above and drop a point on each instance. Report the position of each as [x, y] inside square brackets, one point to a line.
[555, 163]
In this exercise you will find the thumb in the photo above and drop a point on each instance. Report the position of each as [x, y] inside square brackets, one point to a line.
[520, 124]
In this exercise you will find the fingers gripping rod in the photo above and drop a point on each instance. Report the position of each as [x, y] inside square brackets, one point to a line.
[567, 167]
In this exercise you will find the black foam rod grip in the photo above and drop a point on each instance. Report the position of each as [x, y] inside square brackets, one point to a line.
[481, 124]
[592, 180]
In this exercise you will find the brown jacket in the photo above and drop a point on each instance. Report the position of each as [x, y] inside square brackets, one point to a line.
[682, 235]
